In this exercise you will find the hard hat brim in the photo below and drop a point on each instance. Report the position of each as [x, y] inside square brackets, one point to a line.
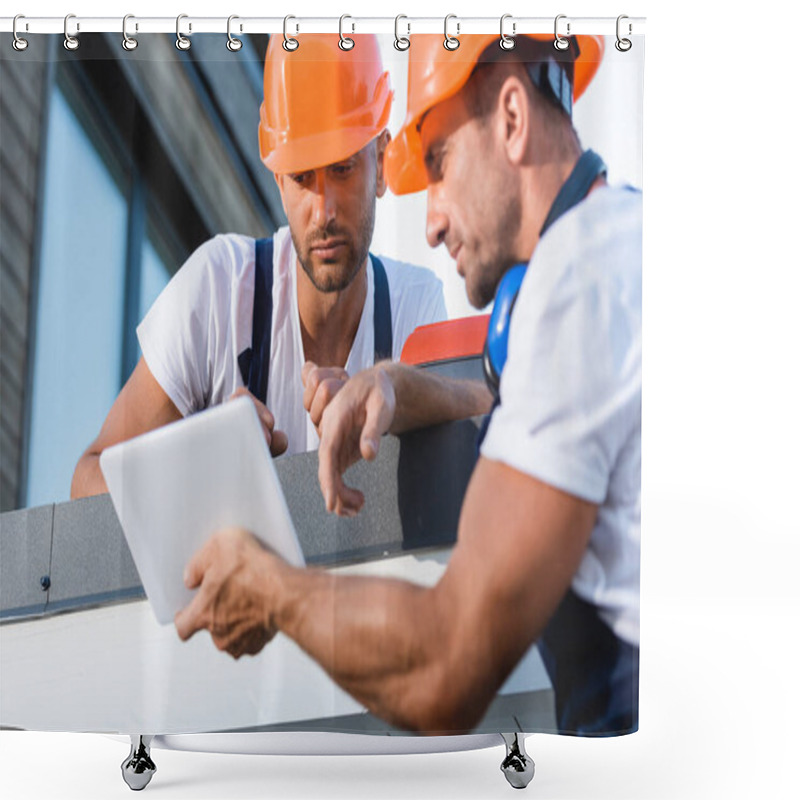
[314, 152]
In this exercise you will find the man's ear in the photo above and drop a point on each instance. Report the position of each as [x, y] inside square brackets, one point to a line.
[381, 143]
[513, 119]
[279, 179]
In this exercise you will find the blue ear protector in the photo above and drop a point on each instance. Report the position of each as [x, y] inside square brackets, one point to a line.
[495, 349]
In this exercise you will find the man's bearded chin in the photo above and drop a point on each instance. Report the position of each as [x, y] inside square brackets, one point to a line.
[339, 278]
[483, 291]
[501, 259]
[339, 275]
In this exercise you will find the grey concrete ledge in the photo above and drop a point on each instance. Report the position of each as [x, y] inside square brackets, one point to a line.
[73, 555]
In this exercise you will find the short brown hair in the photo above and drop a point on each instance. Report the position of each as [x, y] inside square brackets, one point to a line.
[496, 64]
[482, 90]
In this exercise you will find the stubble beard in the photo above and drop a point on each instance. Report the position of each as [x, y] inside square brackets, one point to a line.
[329, 281]
[489, 272]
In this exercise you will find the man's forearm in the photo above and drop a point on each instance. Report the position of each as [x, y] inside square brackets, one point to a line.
[141, 406]
[424, 398]
[382, 640]
[88, 478]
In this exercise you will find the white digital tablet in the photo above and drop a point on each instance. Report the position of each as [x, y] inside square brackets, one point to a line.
[173, 487]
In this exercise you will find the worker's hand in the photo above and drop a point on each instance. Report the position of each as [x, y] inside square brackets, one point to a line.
[351, 428]
[321, 385]
[277, 441]
[234, 575]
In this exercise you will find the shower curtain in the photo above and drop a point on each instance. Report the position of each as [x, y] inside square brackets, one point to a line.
[138, 182]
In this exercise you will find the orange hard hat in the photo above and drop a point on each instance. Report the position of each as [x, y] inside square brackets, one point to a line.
[321, 104]
[435, 74]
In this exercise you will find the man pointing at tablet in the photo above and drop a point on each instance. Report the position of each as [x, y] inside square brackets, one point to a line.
[548, 536]
[243, 317]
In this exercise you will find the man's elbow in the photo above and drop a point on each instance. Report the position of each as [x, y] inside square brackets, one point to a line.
[87, 480]
[444, 707]
[77, 488]
[484, 400]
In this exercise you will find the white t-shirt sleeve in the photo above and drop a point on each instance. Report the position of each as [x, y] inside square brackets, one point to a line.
[185, 332]
[571, 387]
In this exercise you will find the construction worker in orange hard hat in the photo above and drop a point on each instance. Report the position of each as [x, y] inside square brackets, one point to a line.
[441, 82]
[282, 317]
[548, 535]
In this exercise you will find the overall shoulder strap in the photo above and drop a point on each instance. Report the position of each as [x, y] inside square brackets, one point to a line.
[587, 169]
[382, 314]
[254, 362]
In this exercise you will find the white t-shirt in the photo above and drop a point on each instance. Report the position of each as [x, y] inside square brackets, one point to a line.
[193, 334]
[571, 389]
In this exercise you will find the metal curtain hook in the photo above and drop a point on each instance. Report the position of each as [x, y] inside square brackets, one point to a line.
[181, 42]
[623, 45]
[507, 42]
[401, 43]
[450, 42]
[19, 44]
[289, 43]
[128, 42]
[233, 44]
[70, 42]
[560, 42]
[345, 43]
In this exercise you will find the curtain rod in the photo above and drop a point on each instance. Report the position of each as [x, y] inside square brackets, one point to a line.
[76, 25]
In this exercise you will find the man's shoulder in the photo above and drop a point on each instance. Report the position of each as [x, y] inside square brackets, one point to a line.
[600, 239]
[610, 210]
[609, 233]
[224, 253]
[229, 250]
[224, 260]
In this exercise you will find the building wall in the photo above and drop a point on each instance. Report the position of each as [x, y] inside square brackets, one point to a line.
[199, 111]
[22, 101]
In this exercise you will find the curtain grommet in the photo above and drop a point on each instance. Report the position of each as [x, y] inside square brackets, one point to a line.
[71, 43]
[181, 42]
[622, 44]
[233, 44]
[290, 44]
[401, 43]
[451, 43]
[19, 44]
